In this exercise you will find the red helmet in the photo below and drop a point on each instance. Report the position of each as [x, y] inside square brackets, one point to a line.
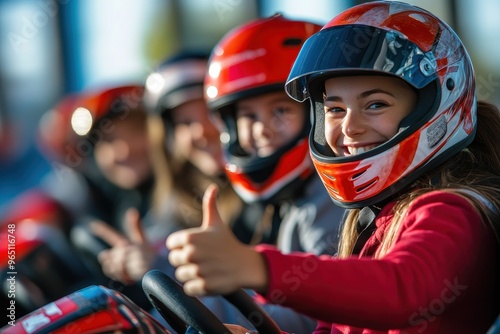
[110, 102]
[68, 130]
[395, 39]
[253, 59]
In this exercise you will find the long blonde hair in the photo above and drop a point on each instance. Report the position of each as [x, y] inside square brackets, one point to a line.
[177, 180]
[474, 173]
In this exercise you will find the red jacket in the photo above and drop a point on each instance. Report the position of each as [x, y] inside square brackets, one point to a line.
[441, 276]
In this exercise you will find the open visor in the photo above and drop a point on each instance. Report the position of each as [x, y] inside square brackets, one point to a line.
[358, 48]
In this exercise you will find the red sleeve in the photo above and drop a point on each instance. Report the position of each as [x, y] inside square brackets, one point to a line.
[440, 239]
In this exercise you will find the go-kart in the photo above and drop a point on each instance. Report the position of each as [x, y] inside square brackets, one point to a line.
[97, 309]
[94, 309]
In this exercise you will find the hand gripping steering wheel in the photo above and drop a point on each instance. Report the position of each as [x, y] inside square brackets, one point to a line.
[180, 310]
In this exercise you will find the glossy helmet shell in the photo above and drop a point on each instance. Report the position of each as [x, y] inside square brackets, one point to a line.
[177, 80]
[95, 108]
[109, 102]
[253, 59]
[403, 41]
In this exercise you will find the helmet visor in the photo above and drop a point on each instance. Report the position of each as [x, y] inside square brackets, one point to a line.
[341, 50]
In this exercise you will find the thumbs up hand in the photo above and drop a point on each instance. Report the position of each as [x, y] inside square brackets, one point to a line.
[210, 260]
[130, 255]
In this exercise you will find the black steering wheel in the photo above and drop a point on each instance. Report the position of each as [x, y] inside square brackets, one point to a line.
[180, 310]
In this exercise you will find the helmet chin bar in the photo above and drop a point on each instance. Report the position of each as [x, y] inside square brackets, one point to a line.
[265, 178]
[272, 178]
[354, 199]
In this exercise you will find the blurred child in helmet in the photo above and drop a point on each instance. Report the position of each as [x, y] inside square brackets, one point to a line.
[97, 145]
[188, 154]
[101, 134]
[112, 150]
[400, 140]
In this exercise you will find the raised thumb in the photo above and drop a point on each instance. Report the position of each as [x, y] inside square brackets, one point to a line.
[211, 216]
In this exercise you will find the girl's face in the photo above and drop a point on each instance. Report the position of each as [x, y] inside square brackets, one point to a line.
[363, 112]
[123, 153]
[196, 138]
[267, 122]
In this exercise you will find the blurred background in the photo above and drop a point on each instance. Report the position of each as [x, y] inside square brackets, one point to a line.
[49, 48]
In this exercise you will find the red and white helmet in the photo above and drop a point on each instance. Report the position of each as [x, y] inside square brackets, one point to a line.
[395, 39]
[253, 59]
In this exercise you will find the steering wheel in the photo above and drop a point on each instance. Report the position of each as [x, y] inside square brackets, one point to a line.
[179, 309]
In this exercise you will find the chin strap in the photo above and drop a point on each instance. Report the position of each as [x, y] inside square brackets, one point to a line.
[365, 226]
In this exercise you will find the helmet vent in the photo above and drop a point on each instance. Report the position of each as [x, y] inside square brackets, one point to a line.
[355, 176]
[333, 190]
[450, 84]
[329, 176]
[366, 186]
[292, 42]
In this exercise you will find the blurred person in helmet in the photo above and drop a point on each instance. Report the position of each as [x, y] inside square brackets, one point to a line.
[185, 140]
[101, 134]
[113, 147]
[400, 140]
[99, 146]
[96, 143]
